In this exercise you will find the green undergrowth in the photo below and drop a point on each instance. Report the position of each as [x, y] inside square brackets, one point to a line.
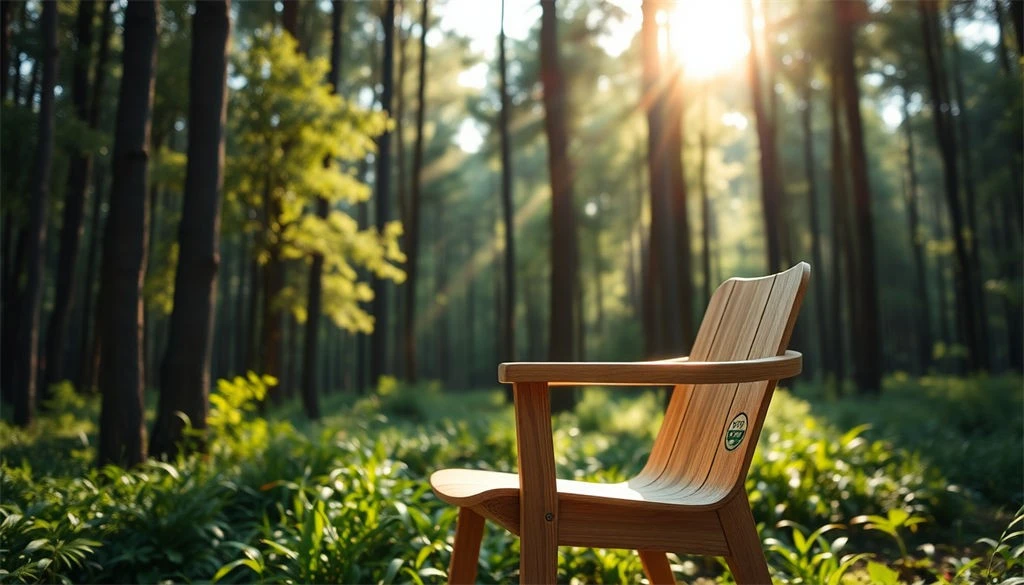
[346, 499]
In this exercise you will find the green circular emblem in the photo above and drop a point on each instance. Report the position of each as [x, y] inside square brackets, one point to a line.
[736, 431]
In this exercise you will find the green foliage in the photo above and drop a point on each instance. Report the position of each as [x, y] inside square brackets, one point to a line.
[285, 123]
[812, 558]
[347, 500]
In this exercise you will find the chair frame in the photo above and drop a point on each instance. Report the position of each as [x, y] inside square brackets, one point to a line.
[721, 524]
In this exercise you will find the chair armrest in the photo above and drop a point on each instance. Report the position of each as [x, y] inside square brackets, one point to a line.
[654, 373]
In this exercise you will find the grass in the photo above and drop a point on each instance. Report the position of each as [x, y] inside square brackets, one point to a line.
[346, 499]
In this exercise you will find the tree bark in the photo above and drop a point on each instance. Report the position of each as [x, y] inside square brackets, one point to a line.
[662, 309]
[413, 228]
[971, 198]
[868, 349]
[314, 299]
[770, 188]
[6, 15]
[1004, 57]
[122, 434]
[79, 170]
[812, 210]
[564, 249]
[508, 325]
[841, 253]
[680, 332]
[25, 367]
[966, 301]
[924, 329]
[379, 340]
[185, 371]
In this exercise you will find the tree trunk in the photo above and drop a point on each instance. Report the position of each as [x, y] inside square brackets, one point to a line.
[85, 371]
[6, 15]
[661, 285]
[508, 326]
[1004, 57]
[812, 210]
[564, 253]
[25, 367]
[770, 188]
[839, 210]
[379, 341]
[1017, 16]
[79, 170]
[705, 203]
[91, 339]
[413, 227]
[508, 317]
[185, 371]
[122, 434]
[924, 329]
[973, 235]
[680, 332]
[868, 349]
[966, 301]
[314, 300]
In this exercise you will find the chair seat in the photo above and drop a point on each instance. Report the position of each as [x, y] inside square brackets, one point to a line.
[471, 487]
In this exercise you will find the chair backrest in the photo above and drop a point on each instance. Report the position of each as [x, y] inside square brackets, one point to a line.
[708, 437]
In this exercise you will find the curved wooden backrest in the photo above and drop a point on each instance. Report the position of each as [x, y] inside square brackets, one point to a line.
[708, 437]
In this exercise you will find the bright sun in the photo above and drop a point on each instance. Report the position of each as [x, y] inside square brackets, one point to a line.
[708, 36]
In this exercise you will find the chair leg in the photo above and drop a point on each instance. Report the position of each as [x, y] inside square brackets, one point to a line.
[656, 567]
[469, 531]
[746, 560]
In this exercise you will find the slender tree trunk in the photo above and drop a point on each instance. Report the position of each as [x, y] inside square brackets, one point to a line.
[508, 326]
[25, 366]
[1004, 57]
[839, 211]
[79, 171]
[942, 291]
[441, 291]
[1017, 17]
[91, 340]
[85, 372]
[770, 189]
[966, 301]
[413, 227]
[271, 335]
[971, 199]
[6, 15]
[310, 401]
[379, 340]
[564, 252]
[122, 434]
[252, 340]
[662, 308]
[812, 210]
[680, 334]
[185, 371]
[924, 329]
[868, 349]
[243, 298]
[705, 203]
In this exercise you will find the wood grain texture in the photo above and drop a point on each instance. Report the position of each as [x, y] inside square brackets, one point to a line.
[689, 498]
[538, 512]
[469, 531]
[656, 373]
[746, 558]
[656, 567]
[699, 434]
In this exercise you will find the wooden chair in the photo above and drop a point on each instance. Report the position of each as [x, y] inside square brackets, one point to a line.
[690, 496]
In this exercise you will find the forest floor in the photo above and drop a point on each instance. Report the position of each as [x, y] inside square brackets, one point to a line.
[898, 488]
